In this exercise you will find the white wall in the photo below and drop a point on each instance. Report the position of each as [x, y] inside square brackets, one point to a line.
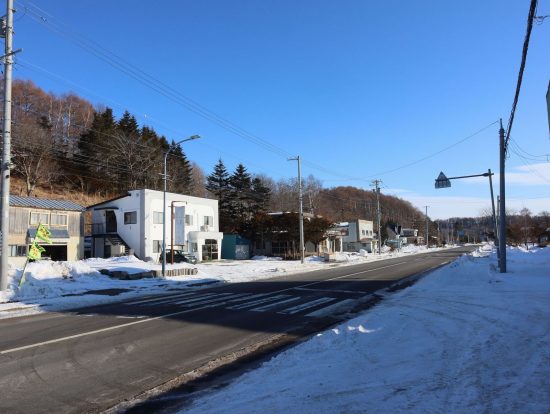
[197, 207]
[141, 236]
[130, 233]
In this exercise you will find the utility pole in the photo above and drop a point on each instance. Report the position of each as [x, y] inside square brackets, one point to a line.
[6, 153]
[164, 178]
[502, 204]
[495, 225]
[297, 158]
[427, 236]
[376, 184]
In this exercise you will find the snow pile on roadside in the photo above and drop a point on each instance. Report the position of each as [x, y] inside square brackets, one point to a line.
[266, 258]
[61, 285]
[463, 339]
[46, 278]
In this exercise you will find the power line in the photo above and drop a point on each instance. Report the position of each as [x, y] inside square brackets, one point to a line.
[149, 81]
[437, 152]
[532, 10]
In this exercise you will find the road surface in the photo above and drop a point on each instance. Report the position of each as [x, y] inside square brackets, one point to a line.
[91, 359]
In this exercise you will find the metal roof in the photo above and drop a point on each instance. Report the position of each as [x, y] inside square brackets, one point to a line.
[19, 201]
[54, 233]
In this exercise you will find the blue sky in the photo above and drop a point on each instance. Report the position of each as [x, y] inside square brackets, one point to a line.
[356, 88]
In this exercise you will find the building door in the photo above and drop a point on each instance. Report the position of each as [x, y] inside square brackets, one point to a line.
[210, 249]
[110, 221]
[57, 253]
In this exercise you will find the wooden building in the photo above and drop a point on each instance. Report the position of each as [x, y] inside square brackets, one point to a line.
[64, 219]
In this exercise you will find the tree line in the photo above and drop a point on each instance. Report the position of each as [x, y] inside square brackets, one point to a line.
[62, 142]
[65, 141]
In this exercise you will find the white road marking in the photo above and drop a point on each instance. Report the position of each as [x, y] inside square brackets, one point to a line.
[83, 334]
[221, 297]
[307, 305]
[333, 290]
[338, 277]
[330, 308]
[273, 305]
[111, 328]
[257, 302]
[164, 297]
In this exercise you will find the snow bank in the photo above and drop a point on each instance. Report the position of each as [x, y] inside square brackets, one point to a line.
[463, 339]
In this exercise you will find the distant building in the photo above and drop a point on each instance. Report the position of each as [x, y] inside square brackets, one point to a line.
[357, 234]
[281, 242]
[235, 247]
[63, 218]
[133, 224]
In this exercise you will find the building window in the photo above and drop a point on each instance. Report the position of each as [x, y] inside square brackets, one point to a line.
[194, 247]
[130, 217]
[36, 218]
[158, 217]
[281, 248]
[210, 249]
[363, 232]
[189, 219]
[17, 251]
[208, 220]
[58, 219]
[157, 246]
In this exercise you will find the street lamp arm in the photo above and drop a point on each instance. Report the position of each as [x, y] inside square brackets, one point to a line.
[470, 176]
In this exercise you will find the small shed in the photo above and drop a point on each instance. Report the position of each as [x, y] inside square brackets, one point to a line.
[235, 247]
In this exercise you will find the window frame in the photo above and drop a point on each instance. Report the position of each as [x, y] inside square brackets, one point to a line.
[158, 217]
[19, 249]
[157, 246]
[59, 215]
[41, 215]
[131, 215]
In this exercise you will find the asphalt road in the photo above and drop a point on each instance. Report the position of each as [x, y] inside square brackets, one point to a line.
[91, 359]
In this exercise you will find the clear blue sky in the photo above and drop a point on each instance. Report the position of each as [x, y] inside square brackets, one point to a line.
[356, 88]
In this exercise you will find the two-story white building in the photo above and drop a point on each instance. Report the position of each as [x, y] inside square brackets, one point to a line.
[133, 223]
[358, 234]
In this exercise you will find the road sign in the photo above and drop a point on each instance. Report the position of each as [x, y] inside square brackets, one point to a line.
[441, 181]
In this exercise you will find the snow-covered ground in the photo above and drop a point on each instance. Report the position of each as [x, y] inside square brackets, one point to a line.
[464, 339]
[53, 286]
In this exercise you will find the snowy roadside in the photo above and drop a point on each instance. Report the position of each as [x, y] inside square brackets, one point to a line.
[463, 339]
[54, 286]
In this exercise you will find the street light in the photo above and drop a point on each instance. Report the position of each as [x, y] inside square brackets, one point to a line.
[444, 182]
[301, 208]
[164, 177]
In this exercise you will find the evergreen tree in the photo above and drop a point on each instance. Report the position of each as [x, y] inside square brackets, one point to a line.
[261, 195]
[217, 184]
[241, 195]
[94, 150]
[181, 172]
[128, 124]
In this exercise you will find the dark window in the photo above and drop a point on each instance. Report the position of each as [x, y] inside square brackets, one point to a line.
[18, 251]
[130, 217]
[210, 249]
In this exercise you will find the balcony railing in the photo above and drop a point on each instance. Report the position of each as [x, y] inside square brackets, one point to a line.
[97, 228]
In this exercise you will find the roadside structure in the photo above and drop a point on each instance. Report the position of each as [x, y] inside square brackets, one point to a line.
[133, 224]
[64, 220]
[358, 234]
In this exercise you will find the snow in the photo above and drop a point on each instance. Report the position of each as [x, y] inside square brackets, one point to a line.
[52, 286]
[463, 339]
